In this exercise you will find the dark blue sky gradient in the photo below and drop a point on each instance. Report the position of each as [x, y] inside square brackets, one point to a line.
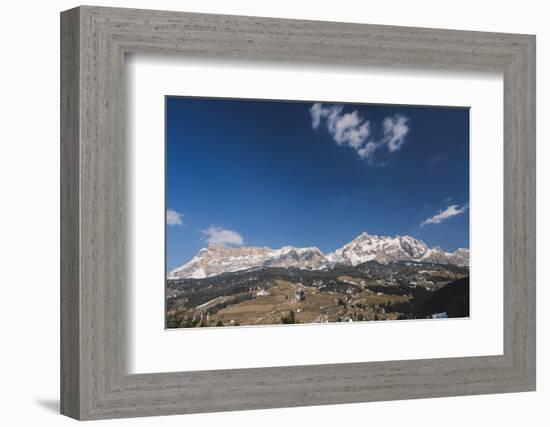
[258, 167]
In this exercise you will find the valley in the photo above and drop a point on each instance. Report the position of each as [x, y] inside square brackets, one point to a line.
[342, 293]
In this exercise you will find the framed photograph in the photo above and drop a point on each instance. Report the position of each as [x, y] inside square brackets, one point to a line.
[343, 212]
[322, 174]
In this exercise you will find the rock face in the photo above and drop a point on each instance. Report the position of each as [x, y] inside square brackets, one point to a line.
[289, 256]
[218, 259]
[385, 249]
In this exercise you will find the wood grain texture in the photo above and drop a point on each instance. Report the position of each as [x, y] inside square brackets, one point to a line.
[94, 231]
[70, 292]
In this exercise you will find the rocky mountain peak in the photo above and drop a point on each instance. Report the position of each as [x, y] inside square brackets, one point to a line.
[218, 259]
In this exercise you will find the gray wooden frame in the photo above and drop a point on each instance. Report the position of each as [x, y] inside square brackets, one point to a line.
[94, 41]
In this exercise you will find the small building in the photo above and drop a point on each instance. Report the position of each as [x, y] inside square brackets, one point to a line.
[262, 293]
[442, 315]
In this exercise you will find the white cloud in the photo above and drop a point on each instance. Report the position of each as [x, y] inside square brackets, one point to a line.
[395, 131]
[173, 217]
[316, 111]
[346, 129]
[368, 150]
[352, 130]
[215, 235]
[442, 215]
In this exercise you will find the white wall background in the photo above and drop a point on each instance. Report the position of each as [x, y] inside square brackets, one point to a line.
[29, 214]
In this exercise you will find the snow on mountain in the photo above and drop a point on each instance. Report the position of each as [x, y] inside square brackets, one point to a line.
[218, 259]
[385, 249]
[289, 256]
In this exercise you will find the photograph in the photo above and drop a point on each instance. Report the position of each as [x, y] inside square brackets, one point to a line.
[283, 212]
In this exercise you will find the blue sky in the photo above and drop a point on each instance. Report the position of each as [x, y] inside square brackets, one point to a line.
[271, 173]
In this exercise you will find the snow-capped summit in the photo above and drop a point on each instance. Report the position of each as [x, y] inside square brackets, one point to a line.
[384, 249]
[218, 259]
[289, 256]
[415, 248]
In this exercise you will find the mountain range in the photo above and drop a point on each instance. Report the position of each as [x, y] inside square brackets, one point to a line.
[219, 259]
